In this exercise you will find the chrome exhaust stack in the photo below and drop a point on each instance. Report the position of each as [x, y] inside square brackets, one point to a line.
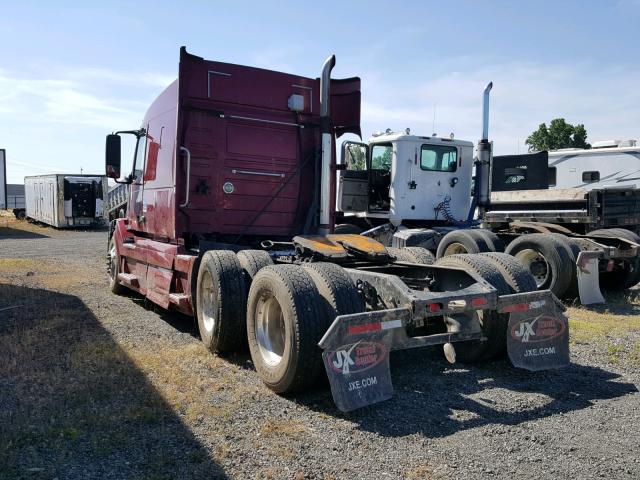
[484, 158]
[327, 146]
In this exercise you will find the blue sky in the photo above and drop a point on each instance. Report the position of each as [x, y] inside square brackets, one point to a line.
[70, 72]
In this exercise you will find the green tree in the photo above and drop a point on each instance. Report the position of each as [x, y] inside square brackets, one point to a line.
[559, 134]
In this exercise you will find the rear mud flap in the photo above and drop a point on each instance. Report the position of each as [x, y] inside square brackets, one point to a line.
[356, 356]
[589, 278]
[538, 339]
[359, 374]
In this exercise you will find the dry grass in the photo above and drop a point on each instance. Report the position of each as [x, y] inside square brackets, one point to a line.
[612, 328]
[50, 274]
[422, 472]
[9, 221]
[191, 380]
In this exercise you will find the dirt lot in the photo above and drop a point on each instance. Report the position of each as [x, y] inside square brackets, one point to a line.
[94, 385]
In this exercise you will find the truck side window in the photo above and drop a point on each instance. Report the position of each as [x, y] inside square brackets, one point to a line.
[439, 158]
[590, 177]
[356, 157]
[141, 151]
[552, 176]
[515, 175]
[381, 157]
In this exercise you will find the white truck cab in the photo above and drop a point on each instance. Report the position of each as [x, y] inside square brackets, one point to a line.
[398, 176]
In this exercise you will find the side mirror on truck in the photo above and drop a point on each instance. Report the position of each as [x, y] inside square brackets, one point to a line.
[113, 156]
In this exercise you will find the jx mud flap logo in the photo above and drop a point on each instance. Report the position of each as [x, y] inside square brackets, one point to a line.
[357, 358]
[539, 329]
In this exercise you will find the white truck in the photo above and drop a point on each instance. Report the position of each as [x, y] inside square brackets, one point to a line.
[411, 190]
[66, 201]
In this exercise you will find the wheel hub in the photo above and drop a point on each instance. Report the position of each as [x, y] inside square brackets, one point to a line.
[455, 248]
[207, 295]
[537, 264]
[270, 330]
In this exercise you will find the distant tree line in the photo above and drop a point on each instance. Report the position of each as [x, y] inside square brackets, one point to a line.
[559, 134]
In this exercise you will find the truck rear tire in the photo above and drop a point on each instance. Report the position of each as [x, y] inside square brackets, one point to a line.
[546, 258]
[251, 262]
[462, 241]
[412, 254]
[339, 293]
[494, 324]
[630, 276]
[516, 275]
[573, 248]
[493, 241]
[221, 301]
[286, 319]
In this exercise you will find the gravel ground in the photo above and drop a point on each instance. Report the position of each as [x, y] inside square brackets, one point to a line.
[99, 386]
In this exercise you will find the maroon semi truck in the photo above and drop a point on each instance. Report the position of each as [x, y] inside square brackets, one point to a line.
[229, 219]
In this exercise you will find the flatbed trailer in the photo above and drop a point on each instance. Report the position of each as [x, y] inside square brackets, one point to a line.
[520, 192]
[229, 219]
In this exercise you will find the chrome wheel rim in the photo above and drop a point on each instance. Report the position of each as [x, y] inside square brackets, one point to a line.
[270, 330]
[207, 301]
[454, 249]
[536, 263]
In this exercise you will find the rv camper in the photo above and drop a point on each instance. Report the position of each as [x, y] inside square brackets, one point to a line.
[611, 163]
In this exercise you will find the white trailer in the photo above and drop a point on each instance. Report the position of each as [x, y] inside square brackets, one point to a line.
[608, 164]
[64, 201]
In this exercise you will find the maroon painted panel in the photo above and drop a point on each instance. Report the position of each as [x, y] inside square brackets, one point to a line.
[253, 167]
[345, 105]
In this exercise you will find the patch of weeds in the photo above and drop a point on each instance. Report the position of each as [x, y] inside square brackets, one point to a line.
[283, 428]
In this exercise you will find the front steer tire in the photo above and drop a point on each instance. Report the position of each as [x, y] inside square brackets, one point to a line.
[286, 319]
[114, 269]
[221, 301]
[463, 241]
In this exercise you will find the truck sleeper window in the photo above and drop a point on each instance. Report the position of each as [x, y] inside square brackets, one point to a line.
[439, 158]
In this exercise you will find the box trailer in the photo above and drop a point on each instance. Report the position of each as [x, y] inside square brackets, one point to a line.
[64, 201]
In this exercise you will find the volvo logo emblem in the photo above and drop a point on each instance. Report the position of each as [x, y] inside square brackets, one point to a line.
[228, 187]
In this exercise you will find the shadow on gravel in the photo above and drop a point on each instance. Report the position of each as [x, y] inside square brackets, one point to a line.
[74, 405]
[436, 399]
[618, 303]
[14, 233]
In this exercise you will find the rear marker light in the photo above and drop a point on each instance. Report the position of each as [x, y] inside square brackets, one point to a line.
[477, 302]
[516, 307]
[364, 328]
[374, 327]
[435, 307]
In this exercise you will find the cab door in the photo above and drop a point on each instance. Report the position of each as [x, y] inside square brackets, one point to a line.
[353, 178]
[443, 194]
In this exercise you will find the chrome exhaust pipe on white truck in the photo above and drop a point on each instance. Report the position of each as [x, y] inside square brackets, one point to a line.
[327, 146]
[484, 158]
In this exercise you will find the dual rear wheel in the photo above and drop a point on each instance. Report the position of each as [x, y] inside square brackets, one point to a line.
[282, 310]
